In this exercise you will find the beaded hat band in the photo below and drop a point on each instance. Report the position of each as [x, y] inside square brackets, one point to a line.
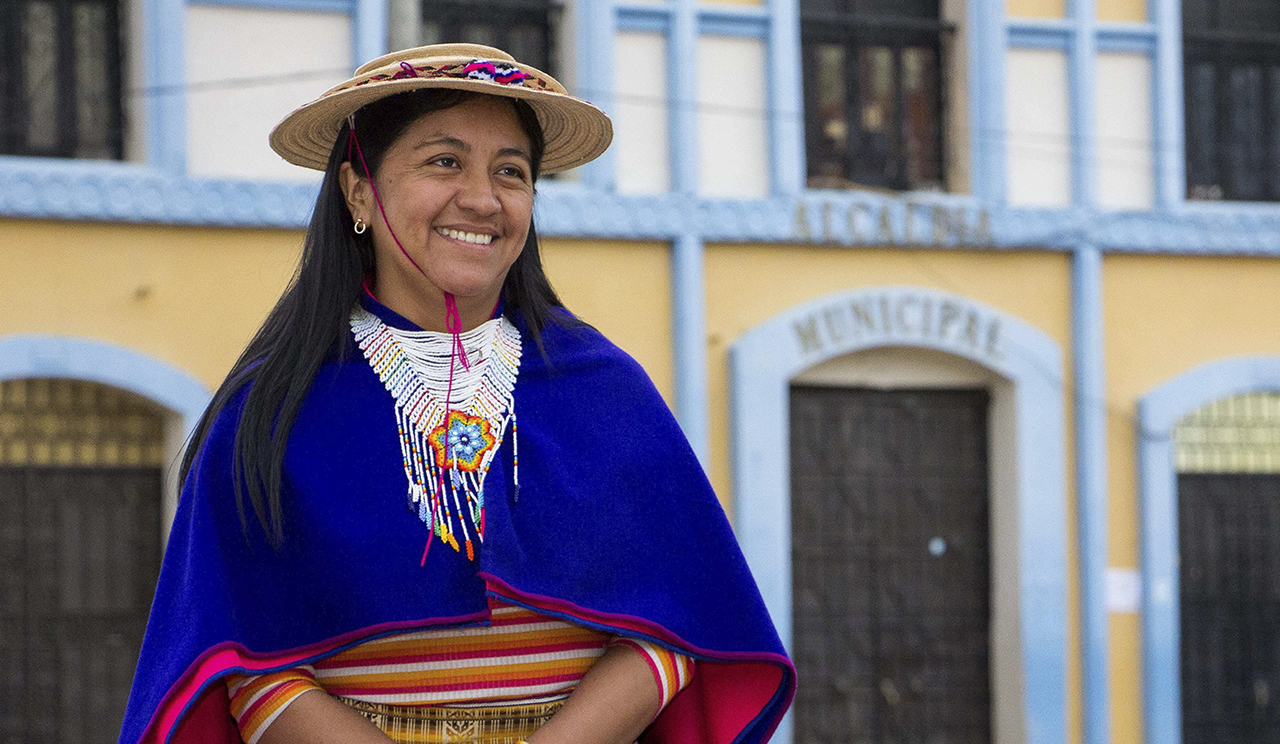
[576, 132]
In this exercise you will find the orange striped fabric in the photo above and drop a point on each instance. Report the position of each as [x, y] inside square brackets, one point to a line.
[521, 655]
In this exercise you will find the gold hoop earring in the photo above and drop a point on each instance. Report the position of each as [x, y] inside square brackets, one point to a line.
[360, 226]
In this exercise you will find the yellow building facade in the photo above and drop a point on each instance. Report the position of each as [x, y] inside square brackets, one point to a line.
[1055, 294]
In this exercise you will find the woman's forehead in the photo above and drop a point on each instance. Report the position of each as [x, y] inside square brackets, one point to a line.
[479, 121]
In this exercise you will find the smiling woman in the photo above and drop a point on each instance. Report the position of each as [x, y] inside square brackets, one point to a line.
[300, 601]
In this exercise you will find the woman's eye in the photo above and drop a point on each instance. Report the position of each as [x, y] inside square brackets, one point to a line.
[513, 171]
[446, 161]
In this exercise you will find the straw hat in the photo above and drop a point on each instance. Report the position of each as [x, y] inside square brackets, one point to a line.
[575, 131]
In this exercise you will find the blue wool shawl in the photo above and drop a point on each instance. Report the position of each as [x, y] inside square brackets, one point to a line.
[615, 527]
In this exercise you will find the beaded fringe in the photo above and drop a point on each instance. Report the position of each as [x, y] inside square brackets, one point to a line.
[461, 436]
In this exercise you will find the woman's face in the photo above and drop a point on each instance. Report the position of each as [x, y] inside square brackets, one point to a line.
[457, 188]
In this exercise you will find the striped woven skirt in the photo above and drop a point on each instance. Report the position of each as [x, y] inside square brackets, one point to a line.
[444, 724]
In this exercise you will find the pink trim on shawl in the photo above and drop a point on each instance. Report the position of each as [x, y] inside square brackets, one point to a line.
[188, 715]
[720, 701]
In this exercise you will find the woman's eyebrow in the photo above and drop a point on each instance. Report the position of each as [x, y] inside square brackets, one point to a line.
[515, 152]
[446, 140]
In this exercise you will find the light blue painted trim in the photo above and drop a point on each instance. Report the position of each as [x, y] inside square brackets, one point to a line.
[164, 58]
[986, 54]
[765, 359]
[1024, 35]
[1170, 148]
[124, 192]
[1091, 487]
[1158, 413]
[644, 19]
[315, 6]
[1232, 209]
[1127, 37]
[689, 339]
[26, 356]
[730, 21]
[682, 84]
[594, 56]
[368, 31]
[786, 99]
[1082, 101]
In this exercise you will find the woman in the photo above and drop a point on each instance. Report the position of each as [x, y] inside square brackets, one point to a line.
[594, 595]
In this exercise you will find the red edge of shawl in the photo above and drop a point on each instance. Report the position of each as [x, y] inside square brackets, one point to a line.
[684, 713]
[185, 702]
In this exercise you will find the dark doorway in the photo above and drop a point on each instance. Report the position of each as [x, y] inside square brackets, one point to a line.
[1229, 543]
[891, 566]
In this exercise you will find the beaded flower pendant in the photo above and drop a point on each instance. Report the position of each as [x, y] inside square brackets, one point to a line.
[447, 446]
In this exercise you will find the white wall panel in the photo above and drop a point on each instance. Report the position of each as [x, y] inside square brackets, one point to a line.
[733, 156]
[641, 124]
[1126, 177]
[246, 69]
[1037, 128]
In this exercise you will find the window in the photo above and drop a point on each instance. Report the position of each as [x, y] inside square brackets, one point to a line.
[519, 27]
[1232, 79]
[873, 93]
[60, 79]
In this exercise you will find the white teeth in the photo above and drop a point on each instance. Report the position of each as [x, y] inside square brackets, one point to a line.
[477, 238]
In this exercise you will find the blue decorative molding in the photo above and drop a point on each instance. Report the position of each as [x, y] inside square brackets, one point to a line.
[785, 97]
[122, 192]
[987, 53]
[594, 31]
[1127, 37]
[314, 6]
[25, 356]
[1158, 413]
[648, 19]
[733, 21]
[1040, 34]
[766, 358]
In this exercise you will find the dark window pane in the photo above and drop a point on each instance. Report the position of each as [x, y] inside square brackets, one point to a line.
[829, 114]
[920, 108]
[95, 103]
[477, 33]
[527, 43]
[1245, 121]
[1273, 124]
[40, 75]
[875, 150]
[1202, 133]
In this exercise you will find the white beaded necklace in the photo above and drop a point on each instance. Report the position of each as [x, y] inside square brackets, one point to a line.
[415, 367]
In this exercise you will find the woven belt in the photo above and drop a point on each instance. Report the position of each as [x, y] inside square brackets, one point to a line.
[443, 724]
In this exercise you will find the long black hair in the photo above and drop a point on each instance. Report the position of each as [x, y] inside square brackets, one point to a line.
[309, 323]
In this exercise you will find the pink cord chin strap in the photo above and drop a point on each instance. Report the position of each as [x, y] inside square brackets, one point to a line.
[452, 320]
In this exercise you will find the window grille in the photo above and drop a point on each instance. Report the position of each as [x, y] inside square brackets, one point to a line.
[60, 79]
[524, 28]
[873, 92]
[69, 422]
[1228, 459]
[79, 555]
[1232, 83]
[1240, 434]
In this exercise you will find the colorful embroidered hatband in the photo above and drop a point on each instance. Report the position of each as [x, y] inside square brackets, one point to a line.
[490, 71]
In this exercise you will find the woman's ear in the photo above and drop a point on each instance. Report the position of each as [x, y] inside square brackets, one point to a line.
[357, 193]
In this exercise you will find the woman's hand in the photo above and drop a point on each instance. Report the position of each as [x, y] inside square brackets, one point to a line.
[615, 702]
[319, 718]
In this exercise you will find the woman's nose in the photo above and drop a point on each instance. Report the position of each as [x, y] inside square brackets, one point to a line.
[477, 195]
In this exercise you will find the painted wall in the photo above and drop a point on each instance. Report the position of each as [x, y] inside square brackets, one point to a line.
[194, 296]
[248, 67]
[1037, 8]
[1163, 316]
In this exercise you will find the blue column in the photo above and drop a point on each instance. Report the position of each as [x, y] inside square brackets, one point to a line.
[688, 335]
[594, 22]
[1091, 488]
[1170, 150]
[786, 101]
[165, 74]
[1082, 65]
[368, 31]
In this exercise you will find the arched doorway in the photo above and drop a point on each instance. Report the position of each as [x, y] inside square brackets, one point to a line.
[1209, 465]
[1006, 413]
[81, 493]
